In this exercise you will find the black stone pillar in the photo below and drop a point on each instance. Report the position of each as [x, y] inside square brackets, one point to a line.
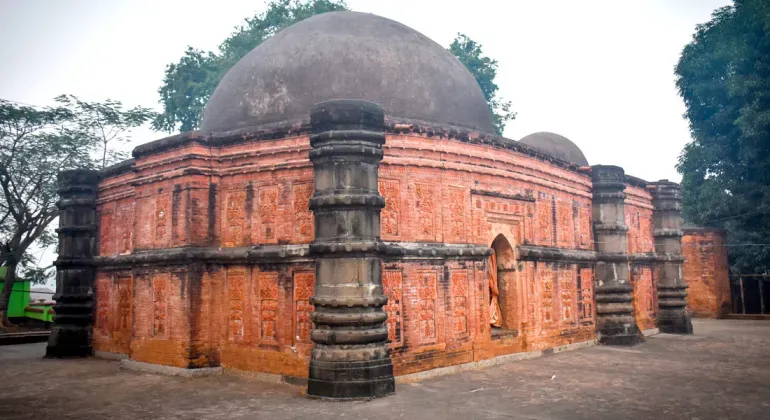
[614, 309]
[351, 358]
[672, 295]
[73, 319]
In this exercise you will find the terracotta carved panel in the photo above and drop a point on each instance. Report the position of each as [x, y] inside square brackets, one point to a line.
[532, 293]
[586, 295]
[268, 304]
[455, 220]
[268, 214]
[106, 240]
[125, 229]
[584, 227]
[482, 282]
[235, 219]
[162, 217]
[235, 299]
[480, 226]
[425, 203]
[547, 289]
[304, 285]
[426, 293]
[567, 295]
[159, 304]
[304, 228]
[103, 305]
[391, 285]
[459, 287]
[390, 216]
[544, 227]
[565, 225]
[124, 304]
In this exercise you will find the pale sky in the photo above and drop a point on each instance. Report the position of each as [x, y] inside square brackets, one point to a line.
[597, 72]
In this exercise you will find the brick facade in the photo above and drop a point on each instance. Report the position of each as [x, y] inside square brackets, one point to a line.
[706, 271]
[254, 313]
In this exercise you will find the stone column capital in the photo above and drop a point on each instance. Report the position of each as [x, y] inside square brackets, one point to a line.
[666, 195]
[609, 174]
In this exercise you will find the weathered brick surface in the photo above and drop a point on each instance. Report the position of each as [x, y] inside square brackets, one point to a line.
[638, 207]
[645, 300]
[706, 272]
[257, 317]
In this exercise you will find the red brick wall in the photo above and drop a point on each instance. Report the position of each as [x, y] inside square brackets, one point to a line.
[638, 207]
[706, 272]
[257, 317]
[645, 296]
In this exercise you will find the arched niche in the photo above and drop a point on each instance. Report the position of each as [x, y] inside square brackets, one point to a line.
[507, 286]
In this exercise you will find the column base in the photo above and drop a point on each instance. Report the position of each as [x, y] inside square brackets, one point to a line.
[677, 322]
[69, 342]
[344, 380]
[620, 335]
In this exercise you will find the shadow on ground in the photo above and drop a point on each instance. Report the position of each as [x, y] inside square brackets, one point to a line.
[719, 373]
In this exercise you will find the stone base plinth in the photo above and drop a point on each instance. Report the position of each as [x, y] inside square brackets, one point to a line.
[169, 370]
[351, 380]
[620, 335]
[69, 342]
[674, 322]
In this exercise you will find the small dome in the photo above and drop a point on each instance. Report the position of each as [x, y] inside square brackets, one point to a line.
[557, 146]
[347, 55]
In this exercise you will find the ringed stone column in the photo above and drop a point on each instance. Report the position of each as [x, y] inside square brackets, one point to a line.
[614, 308]
[73, 318]
[351, 358]
[672, 294]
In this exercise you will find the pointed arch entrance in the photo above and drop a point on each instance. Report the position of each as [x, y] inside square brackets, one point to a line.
[503, 307]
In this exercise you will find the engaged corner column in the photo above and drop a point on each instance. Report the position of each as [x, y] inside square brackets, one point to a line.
[351, 358]
[614, 308]
[73, 311]
[672, 295]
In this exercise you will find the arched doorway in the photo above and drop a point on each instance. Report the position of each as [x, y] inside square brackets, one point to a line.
[503, 308]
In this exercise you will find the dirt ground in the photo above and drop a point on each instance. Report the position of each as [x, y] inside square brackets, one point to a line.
[721, 372]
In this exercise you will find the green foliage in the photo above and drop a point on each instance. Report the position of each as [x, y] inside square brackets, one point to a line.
[35, 145]
[106, 122]
[189, 83]
[484, 69]
[723, 76]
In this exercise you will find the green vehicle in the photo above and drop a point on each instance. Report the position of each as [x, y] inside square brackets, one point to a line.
[21, 308]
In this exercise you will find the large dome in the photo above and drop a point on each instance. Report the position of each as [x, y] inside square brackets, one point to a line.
[347, 55]
[556, 146]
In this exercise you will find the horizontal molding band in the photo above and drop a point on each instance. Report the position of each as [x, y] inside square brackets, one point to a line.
[517, 197]
[667, 233]
[210, 255]
[81, 201]
[539, 253]
[287, 254]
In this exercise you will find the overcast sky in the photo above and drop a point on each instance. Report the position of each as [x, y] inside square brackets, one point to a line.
[597, 72]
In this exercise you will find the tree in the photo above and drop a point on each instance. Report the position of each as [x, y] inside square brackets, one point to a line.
[189, 83]
[107, 122]
[723, 76]
[35, 144]
[484, 69]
